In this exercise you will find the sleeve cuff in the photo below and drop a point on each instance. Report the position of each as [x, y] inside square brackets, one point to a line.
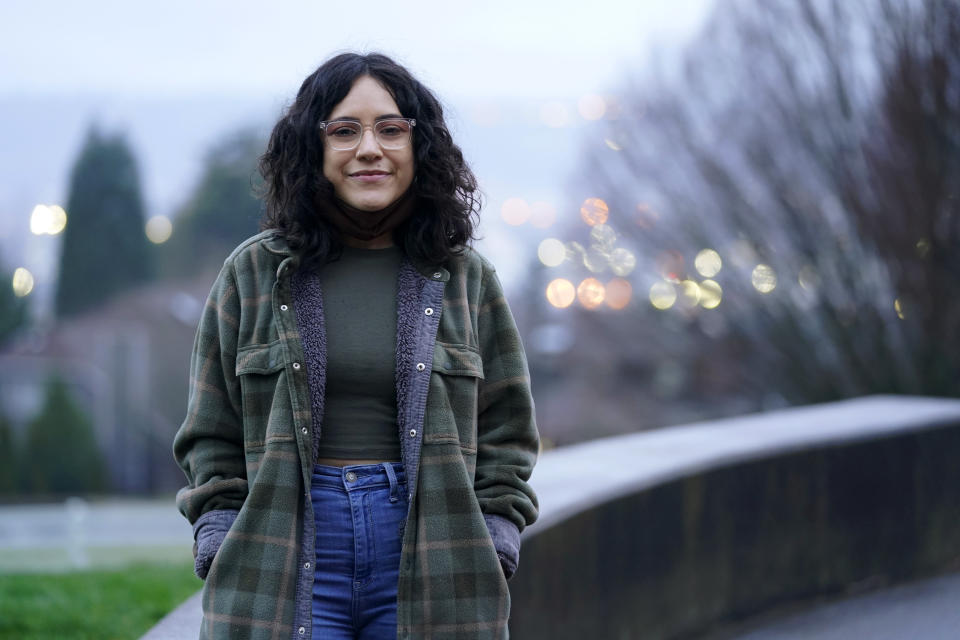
[208, 533]
[506, 540]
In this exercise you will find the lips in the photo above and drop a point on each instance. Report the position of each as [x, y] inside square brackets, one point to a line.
[369, 176]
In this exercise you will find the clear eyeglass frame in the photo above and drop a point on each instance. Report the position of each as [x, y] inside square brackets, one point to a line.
[379, 127]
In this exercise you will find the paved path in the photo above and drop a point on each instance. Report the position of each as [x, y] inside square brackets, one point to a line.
[925, 610]
[183, 622]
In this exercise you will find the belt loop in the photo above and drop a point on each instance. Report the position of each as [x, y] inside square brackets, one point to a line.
[392, 477]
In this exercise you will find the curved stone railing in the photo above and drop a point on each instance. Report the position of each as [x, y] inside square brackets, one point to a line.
[666, 533]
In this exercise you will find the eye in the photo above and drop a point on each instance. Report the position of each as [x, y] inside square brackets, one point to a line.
[393, 128]
[341, 131]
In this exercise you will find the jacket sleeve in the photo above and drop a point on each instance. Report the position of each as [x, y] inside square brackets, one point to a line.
[209, 444]
[507, 438]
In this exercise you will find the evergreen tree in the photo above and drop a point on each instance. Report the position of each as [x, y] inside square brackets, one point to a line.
[8, 458]
[105, 249]
[61, 449]
[13, 310]
[222, 211]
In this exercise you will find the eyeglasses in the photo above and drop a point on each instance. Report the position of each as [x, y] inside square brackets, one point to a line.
[390, 133]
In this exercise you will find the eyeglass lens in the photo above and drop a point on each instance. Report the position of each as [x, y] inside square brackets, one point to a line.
[390, 134]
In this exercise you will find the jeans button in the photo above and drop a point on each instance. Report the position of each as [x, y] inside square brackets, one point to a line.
[351, 476]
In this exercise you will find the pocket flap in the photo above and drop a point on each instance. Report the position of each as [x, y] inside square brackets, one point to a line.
[260, 358]
[457, 360]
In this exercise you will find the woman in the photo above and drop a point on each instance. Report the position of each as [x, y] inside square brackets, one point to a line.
[360, 428]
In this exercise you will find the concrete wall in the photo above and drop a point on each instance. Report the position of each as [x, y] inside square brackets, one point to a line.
[818, 501]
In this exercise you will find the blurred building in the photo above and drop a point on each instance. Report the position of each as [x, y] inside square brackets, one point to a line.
[126, 364]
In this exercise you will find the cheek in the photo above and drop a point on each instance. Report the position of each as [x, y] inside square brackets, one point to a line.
[329, 169]
[409, 170]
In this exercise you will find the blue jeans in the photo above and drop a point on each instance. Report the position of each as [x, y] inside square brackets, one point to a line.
[360, 511]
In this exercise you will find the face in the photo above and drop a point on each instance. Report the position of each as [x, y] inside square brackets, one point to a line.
[368, 177]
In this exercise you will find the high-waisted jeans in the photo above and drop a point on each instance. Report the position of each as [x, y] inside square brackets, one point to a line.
[360, 511]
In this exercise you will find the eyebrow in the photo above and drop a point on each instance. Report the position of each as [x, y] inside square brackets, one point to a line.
[389, 116]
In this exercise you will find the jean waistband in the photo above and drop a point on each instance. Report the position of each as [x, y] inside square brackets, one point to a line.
[360, 476]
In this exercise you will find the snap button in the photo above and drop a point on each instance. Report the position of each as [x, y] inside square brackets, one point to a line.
[283, 307]
[304, 431]
[351, 476]
[296, 365]
[413, 433]
[306, 565]
[437, 275]
[301, 630]
[428, 311]
[421, 366]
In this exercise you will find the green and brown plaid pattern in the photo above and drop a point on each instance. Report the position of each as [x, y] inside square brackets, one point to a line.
[246, 445]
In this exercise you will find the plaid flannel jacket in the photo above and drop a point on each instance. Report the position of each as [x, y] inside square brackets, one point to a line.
[468, 441]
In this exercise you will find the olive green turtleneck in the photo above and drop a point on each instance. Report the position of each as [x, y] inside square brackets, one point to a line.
[360, 317]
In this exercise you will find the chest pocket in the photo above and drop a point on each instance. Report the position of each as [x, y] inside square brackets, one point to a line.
[451, 413]
[267, 413]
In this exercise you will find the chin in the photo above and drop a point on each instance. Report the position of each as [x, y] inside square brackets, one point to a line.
[367, 205]
[369, 202]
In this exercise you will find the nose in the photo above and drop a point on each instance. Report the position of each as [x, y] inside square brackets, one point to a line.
[368, 147]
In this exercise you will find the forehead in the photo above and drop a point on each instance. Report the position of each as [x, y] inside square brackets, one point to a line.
[367, 99]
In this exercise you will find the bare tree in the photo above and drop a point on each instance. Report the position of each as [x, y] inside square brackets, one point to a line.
[820, 138]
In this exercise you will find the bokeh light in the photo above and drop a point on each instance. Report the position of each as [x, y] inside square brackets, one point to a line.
[619, 292]
[515, 211]
[159, 229]
[591, 293]
[603, 235]
[595, 259]
[622, 261]
[898, 307]
[555, 115]
[552, 252]
[663, 295]
[645, 216]
[689, 294]
[47, 219]
[710, 294]
[561, 293]
[808, 277]
[22, 282]
[575, 251]
[670, 265]
[708, 263]
[592, 107]
[542, 214]
[594, 211]
[764, 278]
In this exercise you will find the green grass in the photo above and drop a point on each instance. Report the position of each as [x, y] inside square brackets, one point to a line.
[116, 604]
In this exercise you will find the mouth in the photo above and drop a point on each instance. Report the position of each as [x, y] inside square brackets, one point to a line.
[360, 174]
[369, 176]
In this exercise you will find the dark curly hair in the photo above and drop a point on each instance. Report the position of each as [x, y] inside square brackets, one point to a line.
[292, 166]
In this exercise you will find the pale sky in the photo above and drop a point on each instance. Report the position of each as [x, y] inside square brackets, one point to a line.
[476, 49]
[158, 70]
